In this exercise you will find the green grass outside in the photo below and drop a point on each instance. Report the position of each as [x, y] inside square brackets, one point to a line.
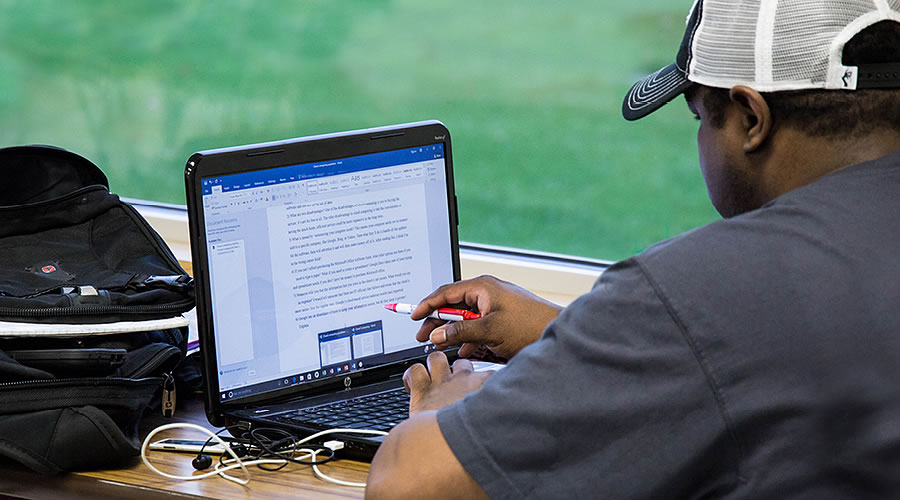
[531, 92]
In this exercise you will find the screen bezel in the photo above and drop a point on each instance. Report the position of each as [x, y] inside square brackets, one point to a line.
[226, 161]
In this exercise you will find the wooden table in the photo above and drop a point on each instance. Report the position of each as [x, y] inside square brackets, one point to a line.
[135, 480]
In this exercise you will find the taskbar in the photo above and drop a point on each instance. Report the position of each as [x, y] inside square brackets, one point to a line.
[325, 373]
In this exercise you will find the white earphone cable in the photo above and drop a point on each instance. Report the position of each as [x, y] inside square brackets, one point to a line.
[236, 462]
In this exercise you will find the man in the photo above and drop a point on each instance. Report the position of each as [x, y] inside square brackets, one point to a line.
[755, 357]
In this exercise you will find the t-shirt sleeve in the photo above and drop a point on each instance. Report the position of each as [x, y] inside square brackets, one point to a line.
[612, 402]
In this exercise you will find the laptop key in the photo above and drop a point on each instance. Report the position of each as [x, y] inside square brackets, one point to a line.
[359, 425]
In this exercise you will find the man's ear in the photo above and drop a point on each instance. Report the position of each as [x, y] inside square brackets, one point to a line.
[755, 116]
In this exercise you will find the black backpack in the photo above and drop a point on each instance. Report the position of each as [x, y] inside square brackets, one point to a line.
[74, 258]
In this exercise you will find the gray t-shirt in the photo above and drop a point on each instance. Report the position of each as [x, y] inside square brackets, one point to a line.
[755, 357]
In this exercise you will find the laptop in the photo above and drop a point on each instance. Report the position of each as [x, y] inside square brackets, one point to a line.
[297, 246]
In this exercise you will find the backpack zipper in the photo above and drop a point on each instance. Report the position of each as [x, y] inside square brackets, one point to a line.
[44, 312]
[156, 361]
[72, 194]
[61, 382]
[19, 396]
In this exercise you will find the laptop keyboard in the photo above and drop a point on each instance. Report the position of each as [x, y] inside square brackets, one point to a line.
[380, 412]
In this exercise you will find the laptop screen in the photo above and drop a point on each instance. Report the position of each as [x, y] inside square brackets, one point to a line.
[302, 259]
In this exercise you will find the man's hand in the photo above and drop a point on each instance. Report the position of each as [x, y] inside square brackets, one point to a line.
[439, 385]
[415, 461]
[511, 317]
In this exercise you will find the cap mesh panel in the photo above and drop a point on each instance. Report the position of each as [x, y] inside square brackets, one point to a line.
[723, 46]
[803, 34]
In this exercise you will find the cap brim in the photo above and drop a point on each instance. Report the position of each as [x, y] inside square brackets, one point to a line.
[649, 94]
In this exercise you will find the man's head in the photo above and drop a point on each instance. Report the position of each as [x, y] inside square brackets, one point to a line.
[827, 69]
[847, 114]
[770, 46]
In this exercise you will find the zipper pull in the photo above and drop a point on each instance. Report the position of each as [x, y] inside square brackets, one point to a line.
[168, 396]
[176, 282]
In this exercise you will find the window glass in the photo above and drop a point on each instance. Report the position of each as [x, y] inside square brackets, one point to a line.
[530, 90]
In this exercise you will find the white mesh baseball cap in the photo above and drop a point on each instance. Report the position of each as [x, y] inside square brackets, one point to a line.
[769, 45]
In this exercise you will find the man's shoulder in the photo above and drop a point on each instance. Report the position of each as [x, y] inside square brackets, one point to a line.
[837, 210]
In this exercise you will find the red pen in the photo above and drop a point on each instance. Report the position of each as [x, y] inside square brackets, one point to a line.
[444, 313]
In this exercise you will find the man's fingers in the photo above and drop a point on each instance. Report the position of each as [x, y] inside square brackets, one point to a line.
[459, 332]
[468, 349]
[473, 293]
[438, 366]
[426, 328]
[451, 293]
[462, 365]
[416, 379]
[438, 336]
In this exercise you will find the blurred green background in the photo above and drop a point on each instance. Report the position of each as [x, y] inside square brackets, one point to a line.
[530, 90]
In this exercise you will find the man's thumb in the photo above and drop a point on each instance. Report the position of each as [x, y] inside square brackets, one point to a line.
[459, 332]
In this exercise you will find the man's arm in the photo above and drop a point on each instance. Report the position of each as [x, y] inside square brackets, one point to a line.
[415, 461]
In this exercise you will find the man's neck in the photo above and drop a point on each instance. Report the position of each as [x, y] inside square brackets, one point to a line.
[800, 159]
